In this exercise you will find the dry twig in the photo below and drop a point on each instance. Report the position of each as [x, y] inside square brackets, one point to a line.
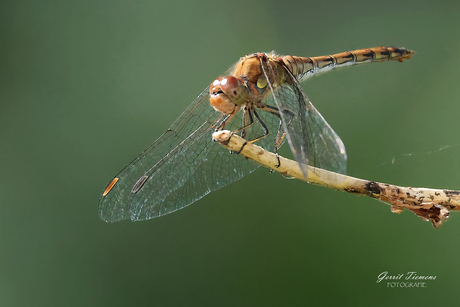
[429, 204]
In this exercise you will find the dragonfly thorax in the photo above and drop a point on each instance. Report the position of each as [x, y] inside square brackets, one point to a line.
[228, 94]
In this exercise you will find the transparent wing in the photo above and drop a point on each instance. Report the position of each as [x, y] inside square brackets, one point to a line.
[312, 140]
[180, 167]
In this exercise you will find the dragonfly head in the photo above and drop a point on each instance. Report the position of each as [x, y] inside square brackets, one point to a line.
[228, 94]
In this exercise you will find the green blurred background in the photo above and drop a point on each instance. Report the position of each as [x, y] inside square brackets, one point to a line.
[85, 86]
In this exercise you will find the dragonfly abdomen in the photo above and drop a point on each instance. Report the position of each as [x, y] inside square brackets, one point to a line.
[305, 67]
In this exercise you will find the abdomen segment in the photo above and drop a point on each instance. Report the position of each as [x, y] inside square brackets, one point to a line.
[305, 67]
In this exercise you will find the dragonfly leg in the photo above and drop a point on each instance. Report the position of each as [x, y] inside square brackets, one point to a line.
[275, 111]
[248, 121]
[224, 121]
[239, 151]
[279, 138]
[267, 131]
[264, 126]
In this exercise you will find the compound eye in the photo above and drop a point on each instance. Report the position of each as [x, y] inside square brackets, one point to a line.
[229, 84]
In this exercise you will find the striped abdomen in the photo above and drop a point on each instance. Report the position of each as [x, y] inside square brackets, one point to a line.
[303, 67]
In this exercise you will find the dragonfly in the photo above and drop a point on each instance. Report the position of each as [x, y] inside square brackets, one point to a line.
[258, 98]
